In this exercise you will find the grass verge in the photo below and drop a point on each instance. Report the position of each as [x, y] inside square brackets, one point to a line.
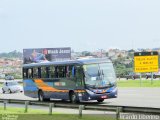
[18, 114]
[136, 83]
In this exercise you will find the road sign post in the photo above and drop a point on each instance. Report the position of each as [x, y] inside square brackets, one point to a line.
[146, 62]
[151, 77]
[140, 79]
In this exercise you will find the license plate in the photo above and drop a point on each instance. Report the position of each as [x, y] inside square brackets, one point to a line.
[103, 96]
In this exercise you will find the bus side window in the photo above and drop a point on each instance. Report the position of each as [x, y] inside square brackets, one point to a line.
[25, 73]
[48, 72]
[35, 72]
[78, 72]
[61, 72]
[56, 72]
[67, 71]
[39, 72]
[43, 72]
[52, 72]
[79, 75]
[73, 71]
[30, 73]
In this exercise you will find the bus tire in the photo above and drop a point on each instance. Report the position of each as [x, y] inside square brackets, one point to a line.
[73, 97]
[10, 91]
[41, 97]
[100, 100]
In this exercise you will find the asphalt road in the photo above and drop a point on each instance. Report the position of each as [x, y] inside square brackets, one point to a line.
[144, 97]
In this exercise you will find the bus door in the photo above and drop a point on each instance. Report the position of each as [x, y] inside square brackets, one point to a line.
[79, 77]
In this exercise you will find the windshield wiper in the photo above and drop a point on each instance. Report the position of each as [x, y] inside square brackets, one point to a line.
[100, 74]
[111, 83]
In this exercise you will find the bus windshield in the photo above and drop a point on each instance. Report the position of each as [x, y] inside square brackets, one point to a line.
[99, 75]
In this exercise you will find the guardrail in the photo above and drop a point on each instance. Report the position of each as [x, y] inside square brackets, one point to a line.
[113, 108]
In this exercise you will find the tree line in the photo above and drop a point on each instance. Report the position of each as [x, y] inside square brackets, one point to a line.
[12, 54]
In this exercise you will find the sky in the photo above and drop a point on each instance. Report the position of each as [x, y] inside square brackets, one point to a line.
[80, 24]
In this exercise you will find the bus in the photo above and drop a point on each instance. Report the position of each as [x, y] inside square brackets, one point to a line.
[73, 80]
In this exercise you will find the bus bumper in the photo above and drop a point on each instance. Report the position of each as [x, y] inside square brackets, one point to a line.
[88, 96]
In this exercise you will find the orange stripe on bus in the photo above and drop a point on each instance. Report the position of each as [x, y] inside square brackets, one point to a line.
[79, 91]
[46, 87]
[41, 85]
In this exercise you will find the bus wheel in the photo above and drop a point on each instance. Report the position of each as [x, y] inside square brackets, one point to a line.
[10, 91]
[73, 98]
[100, 100]
[41, 96]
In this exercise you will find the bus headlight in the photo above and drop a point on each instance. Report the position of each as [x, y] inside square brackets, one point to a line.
[114, 90]
[90, 92]
[80, 94]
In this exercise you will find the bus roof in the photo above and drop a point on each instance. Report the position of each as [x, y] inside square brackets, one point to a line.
[69, 62]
